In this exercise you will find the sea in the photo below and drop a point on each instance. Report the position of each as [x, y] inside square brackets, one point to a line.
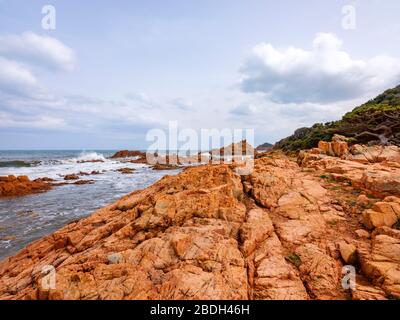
[28, 218]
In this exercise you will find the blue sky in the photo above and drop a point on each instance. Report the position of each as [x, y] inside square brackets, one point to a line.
[112, 70]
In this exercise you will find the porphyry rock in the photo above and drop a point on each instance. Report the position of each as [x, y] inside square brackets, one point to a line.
[22, 185]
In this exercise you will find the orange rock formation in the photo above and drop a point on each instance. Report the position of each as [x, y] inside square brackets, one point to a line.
[283, 232]
[18, 186]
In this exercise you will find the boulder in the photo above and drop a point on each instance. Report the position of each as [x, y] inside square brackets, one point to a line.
[363, 234]
[326, 147]
[348, 253]
[374, 219]
[385, 213]
[337, 148]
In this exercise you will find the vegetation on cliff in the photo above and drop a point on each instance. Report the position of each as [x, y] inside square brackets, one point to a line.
[375, 122]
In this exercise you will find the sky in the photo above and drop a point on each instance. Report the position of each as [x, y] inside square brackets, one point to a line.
[111, 71]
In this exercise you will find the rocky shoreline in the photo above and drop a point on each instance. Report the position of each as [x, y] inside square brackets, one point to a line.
[12, 186]
[283, 232]
[16, 186]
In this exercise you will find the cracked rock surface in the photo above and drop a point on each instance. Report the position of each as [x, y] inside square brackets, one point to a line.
[282, 232]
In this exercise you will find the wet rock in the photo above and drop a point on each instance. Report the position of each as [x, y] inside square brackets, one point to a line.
[71, 177]
[44, 179]
[161, 167]
[90, 161]
[83, 182]
[18, 186]
[126, 170]
[8, 238]
[128, 154]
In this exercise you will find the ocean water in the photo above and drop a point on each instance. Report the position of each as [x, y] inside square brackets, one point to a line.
[25, 219]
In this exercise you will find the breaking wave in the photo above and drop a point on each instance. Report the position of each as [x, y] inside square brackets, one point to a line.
[86, 157]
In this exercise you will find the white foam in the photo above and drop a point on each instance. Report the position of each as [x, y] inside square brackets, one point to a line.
[82, 163]
[85, 157]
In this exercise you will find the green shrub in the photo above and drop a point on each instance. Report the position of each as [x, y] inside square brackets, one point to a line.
[294, 259]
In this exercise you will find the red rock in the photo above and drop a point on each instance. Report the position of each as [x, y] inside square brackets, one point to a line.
[338, 147]
[382, 214]
[209, 233]
[126, 170]
[128, 154]
[160, 166]
[326, 147]
[71, 177]
[45, 179]
[18, 186]
[381, 262]
[82, 182]
[23, 179]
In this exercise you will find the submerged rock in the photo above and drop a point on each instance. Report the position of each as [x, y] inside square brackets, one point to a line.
[126, 170]
[71, 177]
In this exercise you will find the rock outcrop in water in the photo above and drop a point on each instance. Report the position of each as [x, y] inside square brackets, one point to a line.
[128, 154]
[283, 232]
[11, 186]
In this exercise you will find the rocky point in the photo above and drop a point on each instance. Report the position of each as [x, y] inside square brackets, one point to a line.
[11, 186]
[284, 231]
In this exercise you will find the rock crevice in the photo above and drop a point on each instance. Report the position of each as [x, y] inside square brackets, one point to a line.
[282, 232]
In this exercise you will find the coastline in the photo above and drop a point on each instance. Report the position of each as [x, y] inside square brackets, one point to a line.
[78, 184]
[283, 232]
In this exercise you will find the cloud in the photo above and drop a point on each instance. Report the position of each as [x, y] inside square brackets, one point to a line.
[38, 50]
[245, 110]
[324, 74]
[20, 57]
[181, 104]
[16, 79]
[36, 122]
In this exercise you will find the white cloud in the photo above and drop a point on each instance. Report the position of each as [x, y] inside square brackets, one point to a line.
[35, 49]
[36, 122]
[322, 75]
[15, 78]
[20, 57]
